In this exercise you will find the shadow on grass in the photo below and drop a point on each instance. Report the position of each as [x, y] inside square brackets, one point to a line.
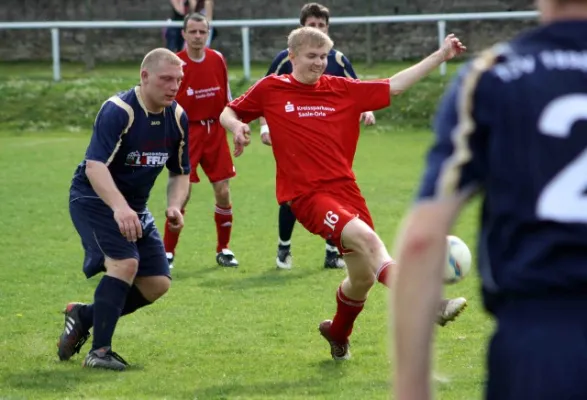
[330, 383]
[63, 377]
[269, 278]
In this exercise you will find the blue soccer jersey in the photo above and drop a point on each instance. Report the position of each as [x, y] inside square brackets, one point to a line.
[135, 145]
[338, 65]
[514, 125]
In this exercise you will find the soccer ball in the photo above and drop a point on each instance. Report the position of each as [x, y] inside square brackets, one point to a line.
[458, 263]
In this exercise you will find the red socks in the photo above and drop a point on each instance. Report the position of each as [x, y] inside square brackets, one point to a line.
[223, 219]
[347, 311]
[170, 239]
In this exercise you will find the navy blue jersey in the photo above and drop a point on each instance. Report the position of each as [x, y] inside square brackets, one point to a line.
[135, 145]
[338, 65]
[514, 125]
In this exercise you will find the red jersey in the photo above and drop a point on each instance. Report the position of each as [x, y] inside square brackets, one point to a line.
[314, 128]
[204, 90]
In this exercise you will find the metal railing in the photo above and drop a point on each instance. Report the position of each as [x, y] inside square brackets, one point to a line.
[247, 24]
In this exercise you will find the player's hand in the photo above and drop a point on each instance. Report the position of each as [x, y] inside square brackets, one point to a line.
[368, 118]
[242, 138]
[175, 218]
[266, 138]
[452, 47]
[128, 223]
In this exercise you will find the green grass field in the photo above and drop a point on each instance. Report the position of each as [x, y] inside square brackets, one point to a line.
[248, 333]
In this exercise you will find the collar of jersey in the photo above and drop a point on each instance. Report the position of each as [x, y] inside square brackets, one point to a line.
[304, 85]
[142, 103]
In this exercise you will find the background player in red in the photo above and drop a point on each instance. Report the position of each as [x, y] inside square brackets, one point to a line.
[318, 119]
[203, 94]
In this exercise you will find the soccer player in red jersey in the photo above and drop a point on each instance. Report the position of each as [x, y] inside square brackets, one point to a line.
[203, 94]
[318, 119]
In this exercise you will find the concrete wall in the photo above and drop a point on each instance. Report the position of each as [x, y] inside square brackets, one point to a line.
[390, 42]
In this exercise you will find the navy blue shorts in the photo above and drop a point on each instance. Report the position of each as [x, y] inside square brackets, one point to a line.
[94, 221]
[539, 351]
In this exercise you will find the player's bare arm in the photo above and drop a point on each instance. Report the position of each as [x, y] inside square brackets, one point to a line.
[265, 134]
[241, 131]
[417, 288]
[102, 182]
[178, 188]
[403, 80]
[178, 6]
[209, 9]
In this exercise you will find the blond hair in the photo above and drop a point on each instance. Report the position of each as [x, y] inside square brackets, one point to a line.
[307, 35]
[156, 56]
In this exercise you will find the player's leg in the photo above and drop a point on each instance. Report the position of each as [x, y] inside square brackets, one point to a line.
[197, 136]
[223, 219]
[327, 214]
[371, 262]
[367, 261]
[171, 238]
[286, 223]
[218, 166]
[152, 280]
[105, 249]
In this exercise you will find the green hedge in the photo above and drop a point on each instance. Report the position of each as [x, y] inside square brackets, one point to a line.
[39, 105]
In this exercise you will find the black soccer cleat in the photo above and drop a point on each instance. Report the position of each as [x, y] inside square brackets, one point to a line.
[74, 334]
[226, 258]
[105, 358]
[284, 258]
[334, 261]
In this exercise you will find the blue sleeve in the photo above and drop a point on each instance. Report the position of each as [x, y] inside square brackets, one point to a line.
[179, 162]
[348, 68]
[278, 63]
[111, 123]
[457, 160]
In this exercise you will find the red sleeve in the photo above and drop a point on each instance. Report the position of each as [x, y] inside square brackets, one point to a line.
[249, 106]
[370, 95]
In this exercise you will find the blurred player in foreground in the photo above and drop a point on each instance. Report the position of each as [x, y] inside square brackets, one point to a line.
[318, 119]
[513, 125]
[136, 134]
[203, 94]
[316, 16]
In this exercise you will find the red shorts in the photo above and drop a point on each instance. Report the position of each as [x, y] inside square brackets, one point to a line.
[208, 147]
[326, 211]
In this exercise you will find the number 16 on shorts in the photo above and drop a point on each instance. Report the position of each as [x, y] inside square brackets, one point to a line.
[331, 219]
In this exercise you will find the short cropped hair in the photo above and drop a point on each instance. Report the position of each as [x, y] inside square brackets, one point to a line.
[307, 36]
[195, 17]
[314, 10]
[155, 56]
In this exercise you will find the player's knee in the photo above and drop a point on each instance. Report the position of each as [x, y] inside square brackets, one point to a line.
[363, 282]
[368, 242]
[125, 270]
[154, 287]
[222, 193]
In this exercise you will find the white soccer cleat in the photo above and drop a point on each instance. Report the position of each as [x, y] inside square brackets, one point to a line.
[450, 309]
[226, 258]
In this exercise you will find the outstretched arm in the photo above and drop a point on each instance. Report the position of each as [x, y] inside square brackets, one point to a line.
[408, 77]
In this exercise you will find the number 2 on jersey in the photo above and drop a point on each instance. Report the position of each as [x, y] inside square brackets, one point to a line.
[563, 199]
